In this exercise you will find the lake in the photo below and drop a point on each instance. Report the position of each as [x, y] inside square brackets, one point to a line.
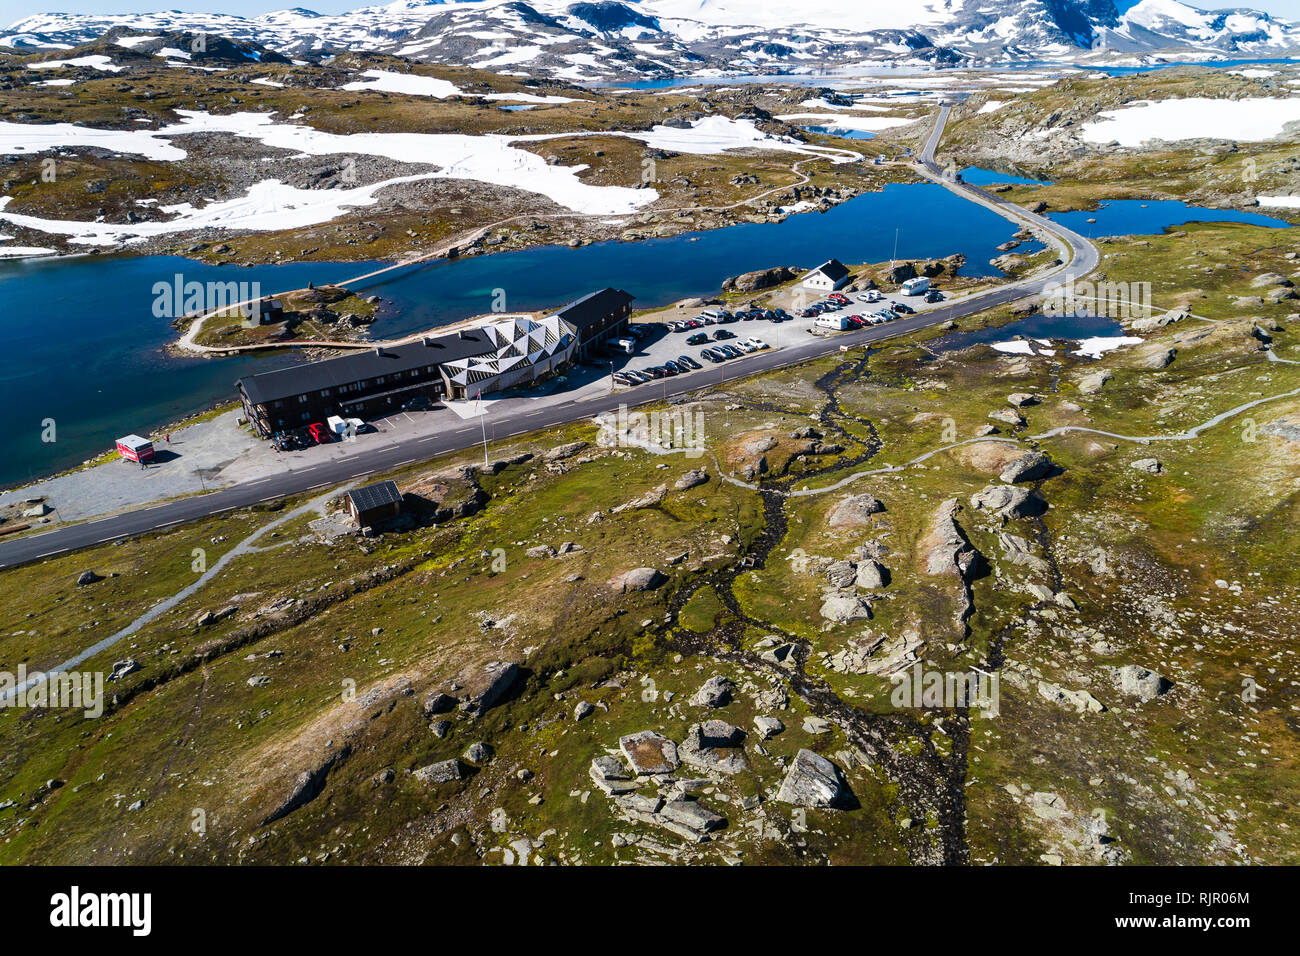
[85, 349]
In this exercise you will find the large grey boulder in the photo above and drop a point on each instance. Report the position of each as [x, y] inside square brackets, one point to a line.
[812, 781]
[1007, 501]
[445, 771]
[715, 692]
[691, 479]
[714, 746]
[1150, 465]
[560, 452]
[649, 753]
[1094, 382]
[638, 579]
[843, 608]
[1141, 682]
[948, 550]
[853, 511]
[1028, 467]
[841, 574]
[487, 688]
[871, 574]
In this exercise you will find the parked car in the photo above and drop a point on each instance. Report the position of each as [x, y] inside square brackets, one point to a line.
[934, 295]
[871, 295]
[623, 378]
[688, 362]
[421, 403]
[699, 338]
[712, 355]
[731, 350]
[856, 321]
[319, 433]
[654, 371]
[758, 343]
[902, 308]
[745, 346]
[721, 334]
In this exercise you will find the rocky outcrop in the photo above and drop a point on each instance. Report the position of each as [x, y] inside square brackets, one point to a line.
[691, 479]
[762, 279]
[854, 511]
[638, 579]
[649, 753]
[812, 781]
[714, 746]
[1030, 467]
[445, 771]
[843, 608]
[561, 452]
[717, 691]
[488, 687]
[1141, 682]
[1007, 501]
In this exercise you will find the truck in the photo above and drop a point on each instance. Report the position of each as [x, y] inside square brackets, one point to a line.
[626, 345]
[916, 286]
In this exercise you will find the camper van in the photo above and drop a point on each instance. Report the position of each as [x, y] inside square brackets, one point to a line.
[916, 286]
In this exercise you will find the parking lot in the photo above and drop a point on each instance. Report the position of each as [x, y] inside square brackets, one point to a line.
[658, 344]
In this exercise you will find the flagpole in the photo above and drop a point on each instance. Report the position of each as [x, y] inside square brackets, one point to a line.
[483, 424]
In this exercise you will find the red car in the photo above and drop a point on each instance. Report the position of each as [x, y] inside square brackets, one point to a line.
[319, 433]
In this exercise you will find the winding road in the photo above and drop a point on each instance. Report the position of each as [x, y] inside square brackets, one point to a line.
[1079, 257]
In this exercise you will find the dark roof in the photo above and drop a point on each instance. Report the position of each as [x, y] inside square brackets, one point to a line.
[833, 269]
[594, 307]
[284, 383]
[375, 496]
[265, 387]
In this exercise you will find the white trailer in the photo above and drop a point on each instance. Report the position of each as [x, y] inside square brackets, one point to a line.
[916, 286]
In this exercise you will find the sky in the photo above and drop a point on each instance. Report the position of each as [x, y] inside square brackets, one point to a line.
[11, 10]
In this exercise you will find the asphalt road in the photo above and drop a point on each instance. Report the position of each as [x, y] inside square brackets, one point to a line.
[1084, 258]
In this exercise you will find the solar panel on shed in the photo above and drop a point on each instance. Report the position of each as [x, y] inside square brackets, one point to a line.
[375, 496]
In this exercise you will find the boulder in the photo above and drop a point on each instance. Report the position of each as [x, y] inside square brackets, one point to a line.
[812, 781]
[1022, 399]
[1007, 501]
[1008, 416]
[1030, 467]
[438, 703]
[582, 710]
[488, 687]
[123, 667]
[87, 577]
[714, 746]
[1158, 359]
[649, 753]
[478, 753]
[1141, 682]
[691, 479]
[841, 574]
[768, 726]
[561, 452]
[1150, 465]
[445, 771]
[871, 574]
[638, 579]
[947, 550]
[715, 692]
[853, 511]
[1093, 383]
[843, 608]
[762, 279]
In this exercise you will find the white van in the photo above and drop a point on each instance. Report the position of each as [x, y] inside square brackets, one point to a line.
[916, 286]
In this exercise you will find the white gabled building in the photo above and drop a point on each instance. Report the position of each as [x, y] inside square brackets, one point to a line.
[827, 277]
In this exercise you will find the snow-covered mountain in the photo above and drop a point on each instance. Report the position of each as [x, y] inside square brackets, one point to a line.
[602, 39]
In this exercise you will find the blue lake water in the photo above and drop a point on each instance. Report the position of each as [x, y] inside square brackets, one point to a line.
[1142, 217]
[1038, 326]
[991, 177]
[840, 131]
[85, 349]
